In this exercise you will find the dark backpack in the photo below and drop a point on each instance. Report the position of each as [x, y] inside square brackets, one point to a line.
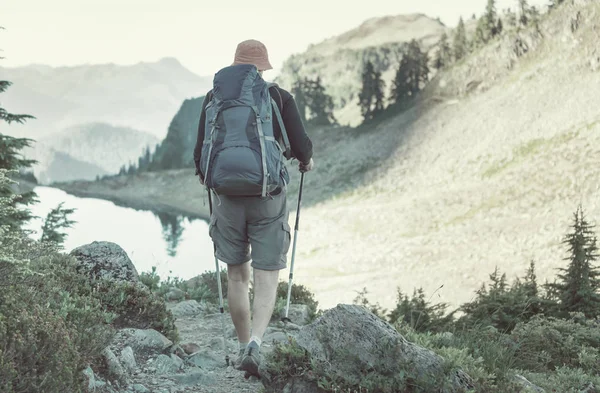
[240, 155]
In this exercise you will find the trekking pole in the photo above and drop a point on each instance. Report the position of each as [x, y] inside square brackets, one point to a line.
[221, 308]
[289, 294]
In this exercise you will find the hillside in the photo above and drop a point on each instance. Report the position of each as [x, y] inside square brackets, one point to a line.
[484, 171]
[466, 180]
[177, 149]
[338, 60]
[143, 96]
[56, 166]
[101, 144]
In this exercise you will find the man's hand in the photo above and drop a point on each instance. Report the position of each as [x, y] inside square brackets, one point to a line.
[305, 167]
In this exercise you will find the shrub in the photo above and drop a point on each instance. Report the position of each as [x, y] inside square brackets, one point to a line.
[50, 329]
[503, 306]
[420, 314]
[299, 295]
[565, 380]
[201, 288]
[362, 300]
[548, 343]
[136, 307]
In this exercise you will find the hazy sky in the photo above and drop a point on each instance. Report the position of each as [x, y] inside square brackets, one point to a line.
[201, 34]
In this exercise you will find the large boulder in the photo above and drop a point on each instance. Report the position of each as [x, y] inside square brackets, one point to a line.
[105, 260]
[353, 345]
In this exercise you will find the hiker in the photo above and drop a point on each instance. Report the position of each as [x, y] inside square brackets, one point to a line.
[249, 220]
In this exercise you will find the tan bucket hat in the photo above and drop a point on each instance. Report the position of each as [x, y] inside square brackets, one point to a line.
[252, 52]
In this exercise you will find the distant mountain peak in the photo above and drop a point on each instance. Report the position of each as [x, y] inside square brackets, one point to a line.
[170, 61]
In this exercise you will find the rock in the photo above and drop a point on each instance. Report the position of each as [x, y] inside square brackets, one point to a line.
[216, 343]
[188, 308]
[301, 386]
[89, 374]
[127, 359]
[298, 313]
[205, 360]
[145, 343]
[348, 340]
[140, 388]
[177, 350]
[177, 361]
[276, 337]
[105, 260]
[190, 348]
[292, 326]
[521, 380]
[165, 365]
[175, 294]
[194, 378]
[114, 368]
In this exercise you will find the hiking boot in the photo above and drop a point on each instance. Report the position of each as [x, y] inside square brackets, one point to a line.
[237, 363]
[251, 359]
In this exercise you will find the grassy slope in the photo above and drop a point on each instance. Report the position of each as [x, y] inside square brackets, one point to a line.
[490, 179]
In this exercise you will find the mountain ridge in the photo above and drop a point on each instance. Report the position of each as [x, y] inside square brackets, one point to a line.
[143, 96]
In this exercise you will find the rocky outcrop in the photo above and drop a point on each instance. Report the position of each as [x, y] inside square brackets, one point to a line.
[105, 260]
[350, 345]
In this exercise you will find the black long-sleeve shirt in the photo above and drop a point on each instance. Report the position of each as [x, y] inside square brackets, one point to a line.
[300, 144]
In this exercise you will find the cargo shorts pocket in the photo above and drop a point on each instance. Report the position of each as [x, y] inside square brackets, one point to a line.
[212, 226]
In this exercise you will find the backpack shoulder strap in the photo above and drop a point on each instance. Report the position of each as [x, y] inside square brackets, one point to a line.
[286, 141]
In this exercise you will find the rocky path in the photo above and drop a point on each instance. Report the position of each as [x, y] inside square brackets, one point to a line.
[144, 361]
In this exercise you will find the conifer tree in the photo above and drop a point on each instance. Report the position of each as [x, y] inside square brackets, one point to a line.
[579, 283]
[460, 45]
[57, 219]
[511, 18]
[443, 56]
[379, 89]
[367, 93]
[13, 161]
[491, 19]
[523, 12]
[412, 73]
[298, 91]
[319, 103]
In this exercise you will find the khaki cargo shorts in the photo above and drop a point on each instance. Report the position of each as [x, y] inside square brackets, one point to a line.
[251, 228]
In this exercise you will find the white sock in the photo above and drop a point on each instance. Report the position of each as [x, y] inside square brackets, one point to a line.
[242, 345]
[257, 340]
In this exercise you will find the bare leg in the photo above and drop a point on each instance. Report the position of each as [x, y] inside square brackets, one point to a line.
[238, 278]
[265, 294]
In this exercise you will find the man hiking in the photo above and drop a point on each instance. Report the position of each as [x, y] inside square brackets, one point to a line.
[239, 157]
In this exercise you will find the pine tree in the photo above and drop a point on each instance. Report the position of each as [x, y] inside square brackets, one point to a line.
[412, 73]
[460, 41]
[372, 94]
[534, 17]
[57, 219]
[481, 36]
[490, 19]
[320, 104]
[555, 3]
[367, 94]
[298, 91]
[379, 89]
[577, 289]
[12, 160]
[499, 26]
[443, 55]
[523, 12]
[511, 18]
